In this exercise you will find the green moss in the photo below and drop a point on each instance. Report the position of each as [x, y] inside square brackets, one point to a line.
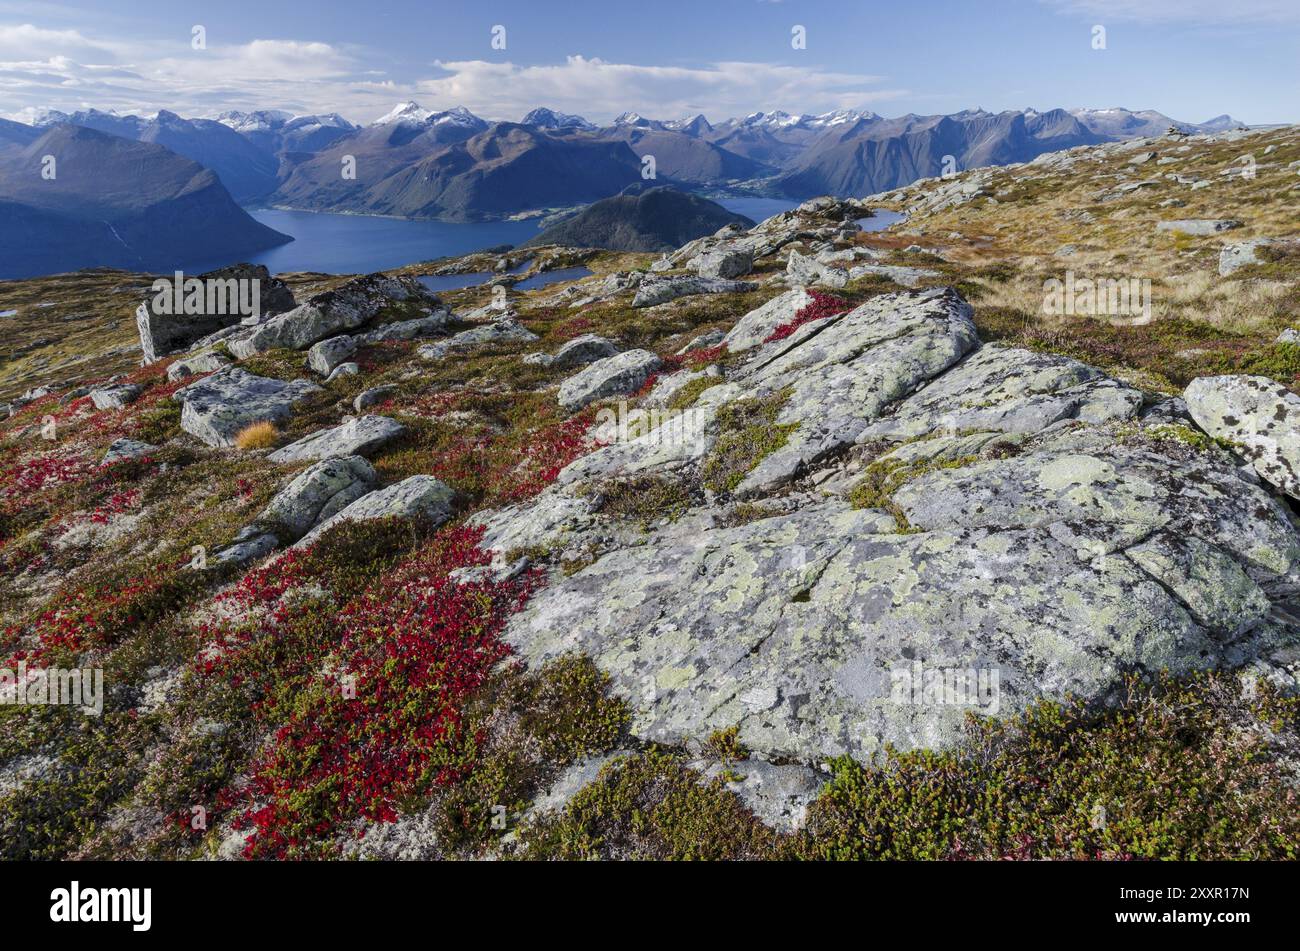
[531, 726]
[725, 746]
[690, 391]
[651, 807]
[645, 499]
[748, 433]
[1172, 773]
[884, 477]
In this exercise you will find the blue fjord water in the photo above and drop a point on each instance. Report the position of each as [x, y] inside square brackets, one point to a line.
[360, 244]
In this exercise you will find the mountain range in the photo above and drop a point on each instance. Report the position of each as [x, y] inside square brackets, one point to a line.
[453, 165]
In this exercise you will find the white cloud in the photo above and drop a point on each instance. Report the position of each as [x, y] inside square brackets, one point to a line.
[600, 89]
[1216, 12]
[64, 69]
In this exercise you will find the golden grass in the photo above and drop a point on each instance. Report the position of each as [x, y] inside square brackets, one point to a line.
[260, 435]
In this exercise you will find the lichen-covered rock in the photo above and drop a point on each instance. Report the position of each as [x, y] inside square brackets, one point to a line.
[315, 495]
[218, 407]
[726, 261]
[1261, 416]
[802, 270]
[420, 495]
[583, 350]
[758, 324]
[1199, 227]
[353, 437]
[116, 397]
[661, 290]
[613, 376]
[373, 396]
[429, 326]
[325, 355]
[840, 374]
[505, 330]
[121, 449]
[206, 362]
[325, 315]
[1233, 257]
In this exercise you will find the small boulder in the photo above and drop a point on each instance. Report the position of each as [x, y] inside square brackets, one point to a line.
[373, 396]
[420, 495]
[216, 408]
[613, 376]
[324, 356]
[206, 362]
[354, 437]
[1233, 257]
[316, 494]
[500, 331]
[660, 290]
[116, 397]
[1260, 416]
[583, 350]
[121, 449]
[724, 262]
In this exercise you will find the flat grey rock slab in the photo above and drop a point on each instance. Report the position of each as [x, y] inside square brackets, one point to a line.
[218, 407]
[661, 290]
[116, 397]
[505, 330]
[1199, 227]
[121, 449]
[354, 437]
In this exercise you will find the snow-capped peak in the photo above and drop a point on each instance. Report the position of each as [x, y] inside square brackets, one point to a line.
[405, 112]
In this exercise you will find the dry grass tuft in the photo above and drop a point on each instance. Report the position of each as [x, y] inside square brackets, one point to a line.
[257, 436]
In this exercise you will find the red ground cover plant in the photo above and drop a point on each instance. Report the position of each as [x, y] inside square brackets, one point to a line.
[823, 305]
[388, 727]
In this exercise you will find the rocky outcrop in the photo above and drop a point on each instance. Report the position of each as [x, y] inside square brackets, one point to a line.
[316, 494]
[1199, 227]
[116, 397]
[122, 449]
[758, 324]
[163, 331]
[218, 407]
[612, 376]
[345, 308]
[1259, 416]
[941, 527]
[353, 437]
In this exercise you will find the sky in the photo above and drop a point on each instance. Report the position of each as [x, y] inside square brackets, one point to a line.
[1190, 59]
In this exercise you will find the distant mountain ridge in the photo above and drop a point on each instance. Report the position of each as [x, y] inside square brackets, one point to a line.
[114, 202]
[660, 218]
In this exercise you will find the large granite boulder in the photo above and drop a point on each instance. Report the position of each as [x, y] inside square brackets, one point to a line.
[163, 331]
[218, 407]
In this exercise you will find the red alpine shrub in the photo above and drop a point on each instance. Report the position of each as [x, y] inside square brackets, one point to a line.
[823, 305]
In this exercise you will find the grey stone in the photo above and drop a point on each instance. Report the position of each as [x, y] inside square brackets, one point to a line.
[417, 496]
[583, 350]
[325, 355]
[315, 495]
[354, 437]
[343, 369]
[326, 315]
[661, 290]
[705, 341]
[121, 449]
[724, 262]
[756, 326]
[1260, 416]
[206, 362]
[613, 376]
[161, 333]
[373, 396]
[218, 407]
[505, 330]
[1233, 257]
[429, 326]
[116, 397]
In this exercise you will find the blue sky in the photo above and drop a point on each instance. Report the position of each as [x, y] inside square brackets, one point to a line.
[1191, 59]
